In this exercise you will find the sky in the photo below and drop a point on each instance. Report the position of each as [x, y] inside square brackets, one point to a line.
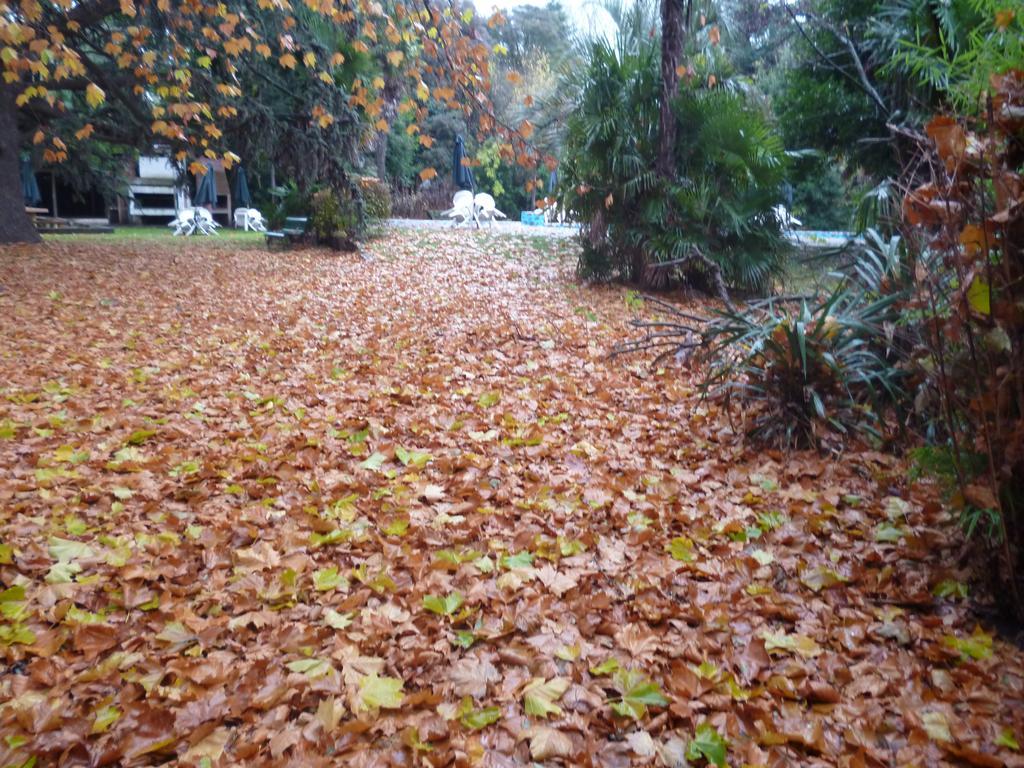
[585, 14]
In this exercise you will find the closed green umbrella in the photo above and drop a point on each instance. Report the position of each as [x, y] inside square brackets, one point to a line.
[462, 176]
[29, 186]
[242, 197]
[206, 189]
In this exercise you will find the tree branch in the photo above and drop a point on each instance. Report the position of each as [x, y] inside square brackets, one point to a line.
[861, 81]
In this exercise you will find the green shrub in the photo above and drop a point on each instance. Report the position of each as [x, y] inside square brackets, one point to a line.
[729, 172]
[290, 202]
[376, 199]
[821, 196]
[332, 222]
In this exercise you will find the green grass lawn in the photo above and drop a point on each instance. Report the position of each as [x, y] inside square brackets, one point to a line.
[149, 234]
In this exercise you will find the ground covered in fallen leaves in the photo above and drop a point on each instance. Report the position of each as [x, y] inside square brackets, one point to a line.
[312, 509]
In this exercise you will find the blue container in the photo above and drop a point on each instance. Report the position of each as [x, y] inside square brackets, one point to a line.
[531, 219]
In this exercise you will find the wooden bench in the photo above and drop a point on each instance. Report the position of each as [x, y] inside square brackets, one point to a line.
[35, 213]
[294, 230]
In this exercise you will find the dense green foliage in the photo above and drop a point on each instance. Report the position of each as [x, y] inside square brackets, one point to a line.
[729, 171]
[376, 199]
[333, 221]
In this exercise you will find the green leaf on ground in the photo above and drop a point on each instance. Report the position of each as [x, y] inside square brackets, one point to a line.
[481, 718]
[380, 692]
[443, 606]
[539, 697]
[708, 744]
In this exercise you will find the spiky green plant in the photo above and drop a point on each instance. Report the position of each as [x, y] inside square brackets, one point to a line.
[804, 370]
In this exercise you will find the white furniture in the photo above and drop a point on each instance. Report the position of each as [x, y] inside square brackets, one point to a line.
[485, 209]
[193, 220]
[205, 225]
[786, 220]
[183, 224]
[250, 219]
[462, 211]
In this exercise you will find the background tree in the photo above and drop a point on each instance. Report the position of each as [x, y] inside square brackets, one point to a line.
[152, 71]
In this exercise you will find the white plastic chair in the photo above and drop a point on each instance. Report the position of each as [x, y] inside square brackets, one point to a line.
[463, 210]
[183, 224]
[485, 209]
[785, 219]
[249, 219]
[204, 222]
[255, 221]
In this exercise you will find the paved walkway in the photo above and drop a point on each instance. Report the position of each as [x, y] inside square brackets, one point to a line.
[502, 227]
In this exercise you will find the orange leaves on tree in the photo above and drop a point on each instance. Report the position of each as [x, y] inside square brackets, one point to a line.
[288, 61]
[322, 117]
[1004, 19]
[427, 174]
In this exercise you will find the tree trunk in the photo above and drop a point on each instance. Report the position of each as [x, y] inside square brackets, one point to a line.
[382, 157]
[673, 30]
[15, 225]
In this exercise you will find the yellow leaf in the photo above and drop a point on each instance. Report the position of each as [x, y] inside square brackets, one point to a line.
[427, 174]
[979, 296]
[309, 59]
[38, 137]
[936, 726]
[288, 61]
[94, 95]
[394, 57]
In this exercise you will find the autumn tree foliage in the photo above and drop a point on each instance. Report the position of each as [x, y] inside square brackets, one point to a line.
[182, 74]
